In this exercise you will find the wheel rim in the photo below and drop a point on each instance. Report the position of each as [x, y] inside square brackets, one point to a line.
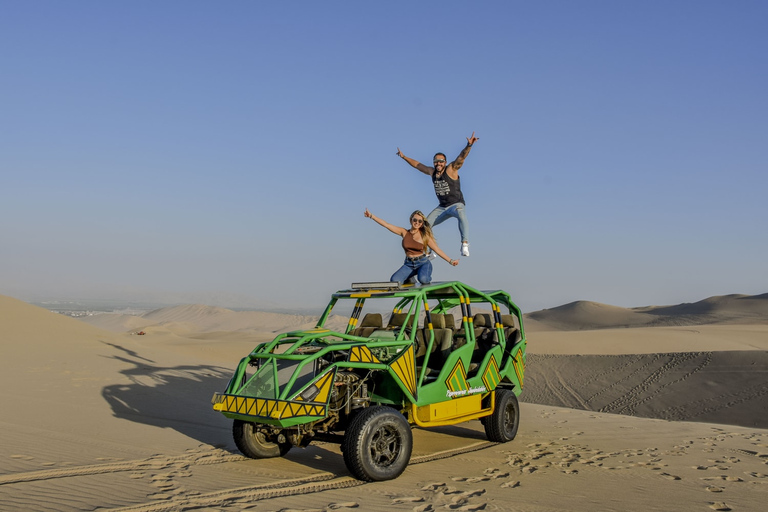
[509, 418]
[261, 439]
[385, 446]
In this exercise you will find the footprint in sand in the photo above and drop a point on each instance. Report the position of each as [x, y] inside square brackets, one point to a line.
[471, 480]
[714, 488]
[446, 490]
[424, 508]
[719, 506]
[348, 504]
[511, 484]
[461, 503]
[407, 499]
[670, 477]
[160, 496]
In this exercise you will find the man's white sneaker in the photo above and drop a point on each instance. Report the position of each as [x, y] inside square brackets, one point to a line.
[465, 248]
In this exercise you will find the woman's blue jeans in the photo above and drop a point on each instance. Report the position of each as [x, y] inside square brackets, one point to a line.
[421, 268]
[457, 210]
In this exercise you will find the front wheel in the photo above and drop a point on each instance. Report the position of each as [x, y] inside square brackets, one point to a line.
[377, 445]
[254, 444]
[501, 426]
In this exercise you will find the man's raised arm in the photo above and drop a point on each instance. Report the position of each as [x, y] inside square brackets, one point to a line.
[456, 164]
[415, 164]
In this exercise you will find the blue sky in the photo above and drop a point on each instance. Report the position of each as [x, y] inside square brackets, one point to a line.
[226, 150]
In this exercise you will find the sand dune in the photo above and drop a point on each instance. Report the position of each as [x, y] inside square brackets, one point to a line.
[594, 357]
[95, 419]
[727, 387]
[585, 315]
[198, 318]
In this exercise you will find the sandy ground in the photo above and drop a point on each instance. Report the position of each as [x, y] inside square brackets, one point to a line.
[95, 419]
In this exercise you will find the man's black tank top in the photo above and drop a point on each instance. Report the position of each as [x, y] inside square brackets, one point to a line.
[447, 190]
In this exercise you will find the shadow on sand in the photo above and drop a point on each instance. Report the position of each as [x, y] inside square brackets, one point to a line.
[179, 397]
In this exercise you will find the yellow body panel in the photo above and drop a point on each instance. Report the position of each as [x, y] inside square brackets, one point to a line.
[404, 368]
[452, 411]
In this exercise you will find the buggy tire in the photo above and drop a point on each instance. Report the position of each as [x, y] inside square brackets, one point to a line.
[253, 444]
[501, 426]
[377, 445]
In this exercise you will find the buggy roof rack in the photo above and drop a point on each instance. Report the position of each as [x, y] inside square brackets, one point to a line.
[375, 285]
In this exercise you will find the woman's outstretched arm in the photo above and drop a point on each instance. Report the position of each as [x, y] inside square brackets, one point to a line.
[395, 229]
[437, 250]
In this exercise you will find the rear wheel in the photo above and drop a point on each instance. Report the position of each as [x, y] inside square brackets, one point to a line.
[501, 426]
[254, 444]
[377, 445]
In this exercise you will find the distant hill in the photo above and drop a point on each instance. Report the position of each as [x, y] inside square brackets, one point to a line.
[23, 325]
[575, 316]
[199, 318]
[586, 315]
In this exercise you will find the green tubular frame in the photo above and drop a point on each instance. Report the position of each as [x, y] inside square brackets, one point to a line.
[428, 388]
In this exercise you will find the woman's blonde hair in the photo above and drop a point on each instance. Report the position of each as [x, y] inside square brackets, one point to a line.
[425, 229]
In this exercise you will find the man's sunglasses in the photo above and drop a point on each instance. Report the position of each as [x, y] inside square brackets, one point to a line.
[438, 161]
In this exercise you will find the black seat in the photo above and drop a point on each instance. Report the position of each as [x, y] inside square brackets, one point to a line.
[450, 322]
[441, 346]
[511, 332]
[396, 320]
[485, 334]
[371, 322]
[459, 336]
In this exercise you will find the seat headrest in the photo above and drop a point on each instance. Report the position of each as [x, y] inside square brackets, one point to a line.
[438, 321]
[450, 323]
[482, 320]
[508, 320]
[397, 319]
[371, 320]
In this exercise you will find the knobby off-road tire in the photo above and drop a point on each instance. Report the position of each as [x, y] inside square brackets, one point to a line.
[377, 445]
[253, 444]
[501, 426]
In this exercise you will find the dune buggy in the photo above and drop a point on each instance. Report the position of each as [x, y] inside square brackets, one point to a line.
[431, 363]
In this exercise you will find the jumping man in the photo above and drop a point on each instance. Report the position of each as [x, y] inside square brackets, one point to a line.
[447, 183]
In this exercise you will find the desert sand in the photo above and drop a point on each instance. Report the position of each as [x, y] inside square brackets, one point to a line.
[639, 409]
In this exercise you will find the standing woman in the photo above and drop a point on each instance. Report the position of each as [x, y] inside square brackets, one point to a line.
[415, 243]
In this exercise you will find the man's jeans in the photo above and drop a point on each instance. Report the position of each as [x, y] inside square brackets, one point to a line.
[421, 268]
[440, 214]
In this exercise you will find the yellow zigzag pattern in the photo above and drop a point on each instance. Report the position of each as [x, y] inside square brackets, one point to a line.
[275, 409]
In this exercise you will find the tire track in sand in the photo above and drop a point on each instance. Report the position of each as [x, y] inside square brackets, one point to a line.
[317, 482]
[151, 463]
[627, 403]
